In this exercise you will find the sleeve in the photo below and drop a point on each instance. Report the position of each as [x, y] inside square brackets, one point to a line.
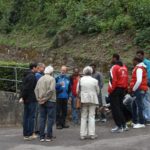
[37, 90]
[139, 73]
[101, 82]
[113, 78]
[97, 88]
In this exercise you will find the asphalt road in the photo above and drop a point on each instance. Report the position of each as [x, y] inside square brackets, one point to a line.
[68, 139]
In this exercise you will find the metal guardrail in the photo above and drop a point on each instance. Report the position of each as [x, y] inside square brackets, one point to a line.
[16, 80]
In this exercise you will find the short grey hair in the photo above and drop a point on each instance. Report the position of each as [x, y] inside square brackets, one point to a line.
[87, 70]
[40, 64]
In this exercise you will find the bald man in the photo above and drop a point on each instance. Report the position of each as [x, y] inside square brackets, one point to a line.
[63, 93]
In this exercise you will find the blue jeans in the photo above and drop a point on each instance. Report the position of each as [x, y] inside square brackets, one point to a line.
[138, 107]
[28, 118]
[75, 112]
[146, 102]
[47, 113]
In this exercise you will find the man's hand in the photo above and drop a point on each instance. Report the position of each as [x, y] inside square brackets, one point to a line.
[21, 100]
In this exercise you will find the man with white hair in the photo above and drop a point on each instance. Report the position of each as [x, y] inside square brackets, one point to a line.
[88, 89]
[46, 96]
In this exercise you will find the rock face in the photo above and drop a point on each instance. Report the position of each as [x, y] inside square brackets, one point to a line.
[10, 109]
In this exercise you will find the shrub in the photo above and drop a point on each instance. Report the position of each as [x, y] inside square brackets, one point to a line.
[122, 23]
[142, 38]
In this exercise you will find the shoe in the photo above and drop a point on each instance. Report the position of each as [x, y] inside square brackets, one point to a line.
[32, 137]
[82, 137]
[48, 140]
[65, 126]
[35, 136]
[148, 123]
[26, 138]
[103, 120]
[42, 140]
[138, 126]
[126, 128]
[117, 130]
[59, 127]
[93, 137]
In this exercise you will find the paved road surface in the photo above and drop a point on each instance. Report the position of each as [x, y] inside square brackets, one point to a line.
[68, 139]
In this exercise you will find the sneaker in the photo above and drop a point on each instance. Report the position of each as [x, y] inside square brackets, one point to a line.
[48, 140]
[117, 130]
[104, 120]
[35, 136]
[126, 128]
[42, 140]
[93, 137]
[59, 127]
[82, 137]
[137, 126]
[26, 137]
[148, 123]
[32, 137]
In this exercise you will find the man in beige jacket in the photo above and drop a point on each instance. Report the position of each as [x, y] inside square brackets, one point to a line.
[46, 96]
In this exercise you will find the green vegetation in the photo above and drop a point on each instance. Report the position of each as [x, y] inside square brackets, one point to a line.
[41, 20]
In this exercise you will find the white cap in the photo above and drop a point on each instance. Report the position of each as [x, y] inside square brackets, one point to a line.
[49, 70]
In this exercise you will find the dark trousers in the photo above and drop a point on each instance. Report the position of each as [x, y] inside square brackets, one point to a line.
[47, 113]
[138, 107]
[116, 102]
[28, 118]
[61, 112]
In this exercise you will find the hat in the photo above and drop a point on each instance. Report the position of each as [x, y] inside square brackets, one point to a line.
[48, 70]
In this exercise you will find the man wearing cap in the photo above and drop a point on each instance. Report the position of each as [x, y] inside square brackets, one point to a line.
[46, 96]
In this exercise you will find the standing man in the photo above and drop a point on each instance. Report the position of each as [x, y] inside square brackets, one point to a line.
[118, 85]
[138, 87]
[63, 93]
[38, 75]
[46, 95]
[74, 79]
[98, 76]
[146, 101]
[29, 99]
[40, 71]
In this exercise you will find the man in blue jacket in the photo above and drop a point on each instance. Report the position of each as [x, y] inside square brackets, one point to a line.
[63, 92]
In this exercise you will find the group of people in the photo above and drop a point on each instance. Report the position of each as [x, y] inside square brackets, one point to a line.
[46, 97]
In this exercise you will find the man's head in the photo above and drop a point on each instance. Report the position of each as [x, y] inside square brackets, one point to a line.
[49, 70]
[41, 67]
[76, 71]
[140, 54]
[93, 65]
[115, 58]
[137, 60]
[88, 71]
[63, 70]
[33, 67]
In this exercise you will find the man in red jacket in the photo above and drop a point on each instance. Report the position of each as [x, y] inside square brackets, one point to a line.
[117, 88]
[138, 87]
[74, 79]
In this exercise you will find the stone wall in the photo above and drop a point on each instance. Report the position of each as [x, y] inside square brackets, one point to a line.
[10, 110]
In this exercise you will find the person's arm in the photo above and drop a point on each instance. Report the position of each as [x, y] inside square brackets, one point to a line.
[97, 88]
[101, 82]
[139, 73]
[113, 79]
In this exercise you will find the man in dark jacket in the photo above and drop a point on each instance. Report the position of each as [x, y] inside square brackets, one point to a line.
[30, 102]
